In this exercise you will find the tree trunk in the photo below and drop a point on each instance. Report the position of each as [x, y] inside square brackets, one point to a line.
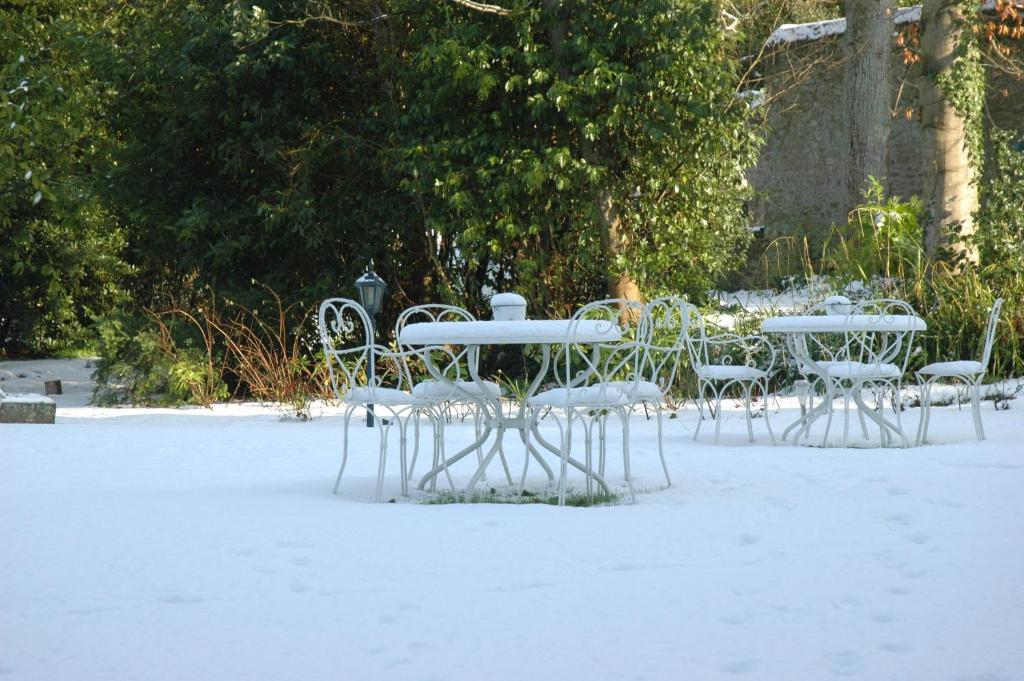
[868, 55]
[950, 195]
[620, 284]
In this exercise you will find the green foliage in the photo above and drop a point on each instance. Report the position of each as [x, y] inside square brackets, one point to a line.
[881, 239]
[999, 221]
[60, 247]
[253, 150]
[516, 133]
[192, 373]
[133, 367]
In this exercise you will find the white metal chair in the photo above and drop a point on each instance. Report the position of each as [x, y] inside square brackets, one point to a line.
[440, 397]
[968, 372]
[358, 370]
[595, 380]
[667, 319]
[725, 361]
[875, 362]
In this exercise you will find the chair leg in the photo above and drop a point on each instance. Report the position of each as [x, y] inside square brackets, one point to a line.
[926, 409]
[701, 385]
[718, 414]
[750, 419]
[767, 422]
[602, 448]
[588, 447]
[899, 417]
[661, 447]
[976, 408]
[846, 417]
[415, 444]
[623, 414]
[830, 397]
[344, 451]
[401, 457]
[476, 435]
[382, 431]
[526, 449]
[566, 444]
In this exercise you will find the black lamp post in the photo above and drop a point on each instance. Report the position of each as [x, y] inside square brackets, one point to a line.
[371, 294]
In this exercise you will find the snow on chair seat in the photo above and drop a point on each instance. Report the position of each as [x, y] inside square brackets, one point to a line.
[590, 396]
[964, 367]
[431, 389]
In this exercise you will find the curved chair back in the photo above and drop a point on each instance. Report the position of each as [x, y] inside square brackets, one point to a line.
[890, 346]
[695, 333]
[826, 347]
[580, 364]
[668, 319]
[346, 335]
[436, 312]
[990, 332]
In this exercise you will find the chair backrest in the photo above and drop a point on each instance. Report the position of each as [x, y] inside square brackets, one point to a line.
[890, 346]
[827, 347]
[696, 334]
[597, 363]
[990, 332]
[437, 312]
[347, 338]
[669, 317]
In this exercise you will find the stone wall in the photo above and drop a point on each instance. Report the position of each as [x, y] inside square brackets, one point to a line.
[798, 173]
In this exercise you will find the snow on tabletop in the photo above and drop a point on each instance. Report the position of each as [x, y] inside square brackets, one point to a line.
[163, 545]
[489, 332]
[857, 322]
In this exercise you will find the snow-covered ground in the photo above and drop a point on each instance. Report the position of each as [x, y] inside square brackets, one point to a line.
[205, 545]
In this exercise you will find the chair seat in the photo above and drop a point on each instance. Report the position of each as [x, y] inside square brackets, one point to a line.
[807, 369]
[958, 368]
[389, 396]
[647, 391]
[436, 391]
[590, 396]
[731, 372]
[863, 370]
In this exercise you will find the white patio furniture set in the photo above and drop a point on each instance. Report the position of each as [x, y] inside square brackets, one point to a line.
[609, 358]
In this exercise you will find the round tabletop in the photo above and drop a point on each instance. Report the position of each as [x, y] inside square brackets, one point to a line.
[522, 332]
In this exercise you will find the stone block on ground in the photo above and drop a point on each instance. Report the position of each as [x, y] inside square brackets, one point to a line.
[27, 409]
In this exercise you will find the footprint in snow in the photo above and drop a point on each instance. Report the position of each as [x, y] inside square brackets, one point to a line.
[895, 491]
[177, 599]
[747, 539]
[898, 519]
[844, 662]
[918, 538]
[740, 666]
[883, 617]
[299, 561]
[893, 647]
[777, 505]
[291, 544]
[946, 503]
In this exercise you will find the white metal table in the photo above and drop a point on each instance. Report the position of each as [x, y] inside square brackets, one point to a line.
[796, 330]
[544, 333]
